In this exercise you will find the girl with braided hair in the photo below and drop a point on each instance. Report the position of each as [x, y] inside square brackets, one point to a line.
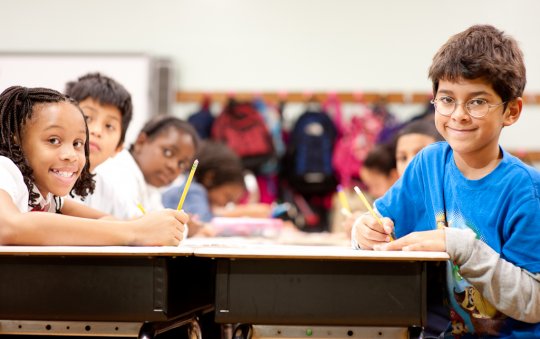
[44, 156]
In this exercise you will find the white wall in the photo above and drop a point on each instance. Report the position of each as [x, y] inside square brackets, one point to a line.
[275, 45]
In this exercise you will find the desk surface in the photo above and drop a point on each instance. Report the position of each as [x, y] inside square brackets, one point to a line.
[313, 252]
[169, 251]
[224, 249]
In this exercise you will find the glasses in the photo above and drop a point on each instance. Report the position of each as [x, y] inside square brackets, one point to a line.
[477, 108]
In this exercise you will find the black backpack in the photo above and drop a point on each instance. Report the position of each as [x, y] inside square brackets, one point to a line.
[307, 164]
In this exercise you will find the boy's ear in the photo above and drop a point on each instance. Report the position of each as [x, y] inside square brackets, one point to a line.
[513, 111]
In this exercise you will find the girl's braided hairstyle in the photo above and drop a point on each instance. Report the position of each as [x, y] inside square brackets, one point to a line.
[16, 107]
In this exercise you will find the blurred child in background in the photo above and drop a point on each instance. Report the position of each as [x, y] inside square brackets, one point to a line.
[411, 138]
[379, 171]
[217, 187]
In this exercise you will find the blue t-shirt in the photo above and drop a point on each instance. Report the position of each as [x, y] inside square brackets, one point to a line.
[502, 208]
[196, 203]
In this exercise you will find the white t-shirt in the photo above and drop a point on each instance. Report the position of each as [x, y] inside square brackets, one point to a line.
[120, 186]
[11, 181]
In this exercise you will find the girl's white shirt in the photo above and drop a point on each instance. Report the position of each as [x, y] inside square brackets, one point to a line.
[11, 181]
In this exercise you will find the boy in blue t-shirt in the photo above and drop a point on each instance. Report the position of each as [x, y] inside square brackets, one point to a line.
[469, 197]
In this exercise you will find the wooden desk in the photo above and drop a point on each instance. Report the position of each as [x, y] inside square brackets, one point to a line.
[110, 291]
[320, 286]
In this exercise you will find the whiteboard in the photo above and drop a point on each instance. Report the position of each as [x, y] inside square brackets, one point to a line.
[51, 70]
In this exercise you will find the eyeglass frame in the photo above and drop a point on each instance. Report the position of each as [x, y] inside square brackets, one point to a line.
[456, 104]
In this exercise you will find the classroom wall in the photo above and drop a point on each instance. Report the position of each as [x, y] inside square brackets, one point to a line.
[279, 45]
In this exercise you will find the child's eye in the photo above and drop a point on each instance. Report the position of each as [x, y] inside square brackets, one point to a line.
[167, 152]
[54, 141]
[110, 127]
[476, 102]
[401, 158]
[78, 144]
[446, 100]
[87, 118]
[182, 165]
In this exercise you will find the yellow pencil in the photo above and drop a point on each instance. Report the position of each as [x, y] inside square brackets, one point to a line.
[368, 206]
[345, 208]
[140, 207]
[188, 183]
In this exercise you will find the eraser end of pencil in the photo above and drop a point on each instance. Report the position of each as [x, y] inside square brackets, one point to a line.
[357, 190]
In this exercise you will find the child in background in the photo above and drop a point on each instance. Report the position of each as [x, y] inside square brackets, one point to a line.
[108, 109]
[217, 183]
[163, 150]
[411, 139]
[107, 106]
[379, 172]
[44, 156]
[469, 197]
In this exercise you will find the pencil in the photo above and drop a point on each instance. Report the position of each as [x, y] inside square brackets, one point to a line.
[188, 183]
[368, 206]
[140, 207]
[345, 208]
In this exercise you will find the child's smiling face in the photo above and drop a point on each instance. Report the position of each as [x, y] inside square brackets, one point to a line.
[53, 142]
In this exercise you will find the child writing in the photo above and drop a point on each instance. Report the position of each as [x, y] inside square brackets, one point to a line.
[164, 149]
[44, 156]
[218, 183]
[108, 109]
[469, 197]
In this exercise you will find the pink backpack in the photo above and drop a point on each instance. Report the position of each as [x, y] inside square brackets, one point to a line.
[351, 149]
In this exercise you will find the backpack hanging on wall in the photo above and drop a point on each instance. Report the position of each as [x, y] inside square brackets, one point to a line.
[203, 120]
[351, 149]
[307, 164]
[243, 129]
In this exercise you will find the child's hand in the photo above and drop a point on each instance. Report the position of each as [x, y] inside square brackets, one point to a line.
[417, 241]
[162, 228]
[348, 222]
[369, 232]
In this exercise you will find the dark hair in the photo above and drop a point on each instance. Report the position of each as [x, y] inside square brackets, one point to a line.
[106, 91]
[16, 107]
[219, 163]
[482, 51]
[425, 127]
[162, 123]
[382, 158]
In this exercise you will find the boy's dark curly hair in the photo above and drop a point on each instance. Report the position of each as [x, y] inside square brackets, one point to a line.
[16, 108]
[482, 51]
[105, 91]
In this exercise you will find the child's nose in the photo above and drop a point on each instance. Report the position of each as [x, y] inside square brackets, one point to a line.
[68, 153]
[95, 129]
[460, 113]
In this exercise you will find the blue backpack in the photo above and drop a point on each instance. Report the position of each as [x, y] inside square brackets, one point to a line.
[307, 164]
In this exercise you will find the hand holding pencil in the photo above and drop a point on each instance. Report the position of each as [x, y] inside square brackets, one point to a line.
[370, 229]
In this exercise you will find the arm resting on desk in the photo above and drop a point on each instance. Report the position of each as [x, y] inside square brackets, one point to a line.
[511, 289]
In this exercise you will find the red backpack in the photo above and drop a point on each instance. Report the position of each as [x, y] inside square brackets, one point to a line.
[243, 129]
